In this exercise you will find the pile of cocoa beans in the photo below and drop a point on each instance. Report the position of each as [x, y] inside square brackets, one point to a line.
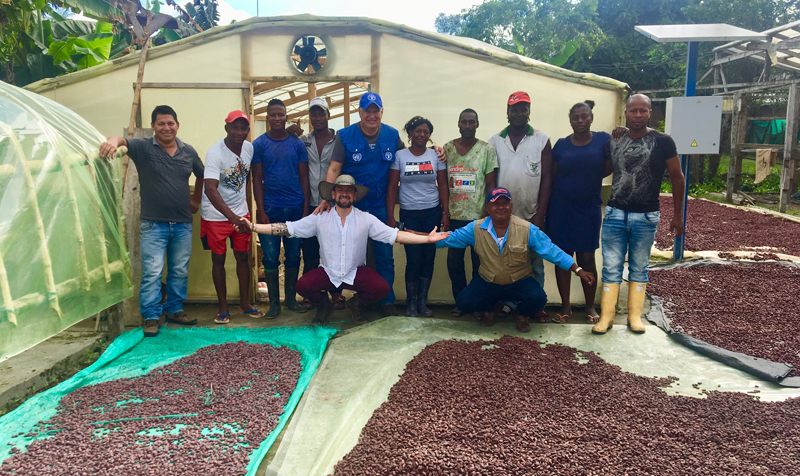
[201, 414]
[747, 308]
[518, 407]
[711, 226]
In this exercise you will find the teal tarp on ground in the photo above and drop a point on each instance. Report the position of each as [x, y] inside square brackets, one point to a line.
[131, 355]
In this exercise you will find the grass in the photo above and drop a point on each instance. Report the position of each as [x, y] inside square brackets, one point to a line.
[717, 183]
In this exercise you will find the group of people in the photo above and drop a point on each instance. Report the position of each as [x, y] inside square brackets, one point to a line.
[331, 195]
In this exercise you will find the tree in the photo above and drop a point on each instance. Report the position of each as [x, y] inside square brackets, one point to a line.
[37, 41]
[548, 30]
[602, 33]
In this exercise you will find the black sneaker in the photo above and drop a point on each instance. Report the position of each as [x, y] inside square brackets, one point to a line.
[180, 317]
[151, 327]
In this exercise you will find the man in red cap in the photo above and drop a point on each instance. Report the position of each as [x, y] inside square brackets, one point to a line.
[504, 243]
[224, 207]
[525, 157]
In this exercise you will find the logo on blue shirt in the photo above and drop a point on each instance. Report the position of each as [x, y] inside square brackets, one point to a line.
[388, 155]
[356, 157]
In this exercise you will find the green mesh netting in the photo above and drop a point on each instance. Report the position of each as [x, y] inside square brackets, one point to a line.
[62, 252]
[131, 355]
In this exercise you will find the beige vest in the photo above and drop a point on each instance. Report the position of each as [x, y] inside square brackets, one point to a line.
[511, 266]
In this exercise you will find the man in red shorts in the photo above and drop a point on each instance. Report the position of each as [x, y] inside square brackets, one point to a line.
[225, 205]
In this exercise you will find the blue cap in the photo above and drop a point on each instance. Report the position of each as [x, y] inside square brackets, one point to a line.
[496, 193]
[369, 99]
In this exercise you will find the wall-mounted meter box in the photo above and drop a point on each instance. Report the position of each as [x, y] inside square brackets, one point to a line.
[695, 123]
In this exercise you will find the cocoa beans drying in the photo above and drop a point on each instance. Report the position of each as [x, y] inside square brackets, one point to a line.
[520, 408]
[202, 414]
[747, 308]
[711, 226]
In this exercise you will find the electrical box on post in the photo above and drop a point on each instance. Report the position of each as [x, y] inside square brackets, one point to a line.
[695, 123]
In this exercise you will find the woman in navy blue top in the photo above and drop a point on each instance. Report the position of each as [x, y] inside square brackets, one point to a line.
[573, 214]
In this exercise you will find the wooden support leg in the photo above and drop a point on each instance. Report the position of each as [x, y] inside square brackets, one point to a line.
[788, 169]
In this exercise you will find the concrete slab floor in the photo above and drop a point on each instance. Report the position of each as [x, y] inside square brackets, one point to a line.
[48, 363]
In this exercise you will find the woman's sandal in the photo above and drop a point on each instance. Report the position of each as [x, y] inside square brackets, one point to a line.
[561, 318]
[592, 318]
[223, 318]
[456, 312]
[307, 304]
[338, 301]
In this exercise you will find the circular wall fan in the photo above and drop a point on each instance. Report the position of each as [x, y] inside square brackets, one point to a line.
[309, 54]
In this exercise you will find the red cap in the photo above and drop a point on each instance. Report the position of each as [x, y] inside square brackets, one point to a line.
[236, 115]
[519, 96]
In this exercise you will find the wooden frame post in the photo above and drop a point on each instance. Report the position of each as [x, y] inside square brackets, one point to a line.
[346, 101]
[788, 169]
[738, 131]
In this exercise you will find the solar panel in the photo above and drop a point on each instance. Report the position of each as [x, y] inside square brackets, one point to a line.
[701, 32]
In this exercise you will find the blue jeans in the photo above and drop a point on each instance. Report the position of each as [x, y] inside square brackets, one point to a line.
[480, 296]
[158, 238]
[384, 257]
[627, 233]
[271, 245]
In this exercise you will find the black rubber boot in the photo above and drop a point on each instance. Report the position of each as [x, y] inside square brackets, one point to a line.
[424, 285]
[290, 298]
[274, 291]
[411, 299]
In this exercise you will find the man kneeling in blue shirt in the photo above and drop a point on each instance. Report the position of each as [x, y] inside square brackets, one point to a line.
[502, 242]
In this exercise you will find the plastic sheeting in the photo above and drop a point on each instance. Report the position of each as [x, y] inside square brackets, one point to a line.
[360, 368]
[131, 355]
[765, 369]
[62, 255]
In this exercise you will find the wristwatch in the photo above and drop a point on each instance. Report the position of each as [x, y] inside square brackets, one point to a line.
[578, 270]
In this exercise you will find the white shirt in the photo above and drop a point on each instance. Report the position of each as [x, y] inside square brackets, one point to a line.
[342, 249]
[520, 171]
[231, 170]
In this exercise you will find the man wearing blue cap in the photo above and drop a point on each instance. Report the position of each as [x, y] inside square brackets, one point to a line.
[502, 242]
[365, 150]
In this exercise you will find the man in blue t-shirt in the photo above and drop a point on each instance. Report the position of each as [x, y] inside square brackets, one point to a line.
[280, 186]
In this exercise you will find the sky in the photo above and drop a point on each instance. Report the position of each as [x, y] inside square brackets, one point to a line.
[415, 13]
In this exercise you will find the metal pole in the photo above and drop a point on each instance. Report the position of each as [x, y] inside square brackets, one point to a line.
[690, 89]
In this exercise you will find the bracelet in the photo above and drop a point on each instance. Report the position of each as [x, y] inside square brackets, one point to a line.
[578, 270]
[446, 213]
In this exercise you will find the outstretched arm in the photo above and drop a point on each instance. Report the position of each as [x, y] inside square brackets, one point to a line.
[415, 239]
[277, 229]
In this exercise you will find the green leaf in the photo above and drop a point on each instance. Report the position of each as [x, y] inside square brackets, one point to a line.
[66, 28]
[567, 51]
[60, 51]
[97, 9]
[170, 35]
[520, 48]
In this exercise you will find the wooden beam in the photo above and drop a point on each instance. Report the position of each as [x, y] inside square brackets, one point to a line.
[314, 79]
[734, 57]
[788, 168]
[262, 88]
[345, 115]
[771, 84]
[334, 104]
[135, 107]
[312, 92]
[195, 85]
[346, 101]
[738, 129]
[295, 98]
[375, 64]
